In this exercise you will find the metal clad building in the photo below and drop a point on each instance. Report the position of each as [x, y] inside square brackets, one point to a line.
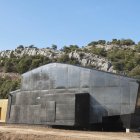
[62, 94]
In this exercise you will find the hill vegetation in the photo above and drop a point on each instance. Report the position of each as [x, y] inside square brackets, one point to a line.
[119, 56]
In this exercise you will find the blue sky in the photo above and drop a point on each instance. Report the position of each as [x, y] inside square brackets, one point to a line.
[65, 22]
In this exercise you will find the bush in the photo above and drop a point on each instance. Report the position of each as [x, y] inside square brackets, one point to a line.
[24, 64]
[137, 47]
[135, 72]
[69, 49]
[65, 59]
[119, 66]
[7, 85]
[99, 51]
[10, 65]
[127, 42]
[94, 43]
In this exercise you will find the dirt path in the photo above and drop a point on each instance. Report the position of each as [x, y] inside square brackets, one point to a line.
[16, 132]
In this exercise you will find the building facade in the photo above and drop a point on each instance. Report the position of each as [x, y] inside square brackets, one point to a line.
[62, 94]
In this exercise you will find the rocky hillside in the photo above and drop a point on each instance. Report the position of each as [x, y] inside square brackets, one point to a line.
[117, 56]
[85, 58]
[94, 55]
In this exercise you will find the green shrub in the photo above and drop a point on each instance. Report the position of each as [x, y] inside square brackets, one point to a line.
[7, 85]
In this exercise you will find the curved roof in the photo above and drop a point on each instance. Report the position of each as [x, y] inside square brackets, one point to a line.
[59, 76]
[56, 64]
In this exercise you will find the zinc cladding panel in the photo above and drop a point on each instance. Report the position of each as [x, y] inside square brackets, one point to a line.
[18, 98]
[31, 98]
[73, 77]
[60, 109]
[43, 110]
[133, 92]
[112, 80]
[47, 113]
[65, 111]
[30, 113]
[104, 101]
[25, 81]
[105, 96]
[60, 77]
[45, 77]
[23, 114]
[131, 97]
[14, 114]
[33, 114]
[37, 109]
[50, 111]
[59, 97]
[97, 79]
[35, 79]
[85, 78]
[40, 79]
[112, 93]
[26, 98]
[51, 71]
[125, 96]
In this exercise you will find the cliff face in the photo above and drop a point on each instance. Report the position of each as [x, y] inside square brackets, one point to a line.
[89, 59]
[20, 52]
[84, 58]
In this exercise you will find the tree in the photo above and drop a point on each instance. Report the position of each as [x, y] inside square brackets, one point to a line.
[63, 59]
[32, 46]
[7, 85]
[115, 41]
[119, 66]
[24, 64]
[127, 42]
[73, 47]
[54, 47]
[137, 47]
[93, 43]
[9, 66]
[35, 63]
[99, 51]
[20, 47]
[102, 42]
[12, 55]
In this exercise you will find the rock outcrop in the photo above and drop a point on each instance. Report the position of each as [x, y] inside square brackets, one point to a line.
[84, 58]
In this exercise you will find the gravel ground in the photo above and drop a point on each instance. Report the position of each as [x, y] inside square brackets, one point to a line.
[24, 132]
